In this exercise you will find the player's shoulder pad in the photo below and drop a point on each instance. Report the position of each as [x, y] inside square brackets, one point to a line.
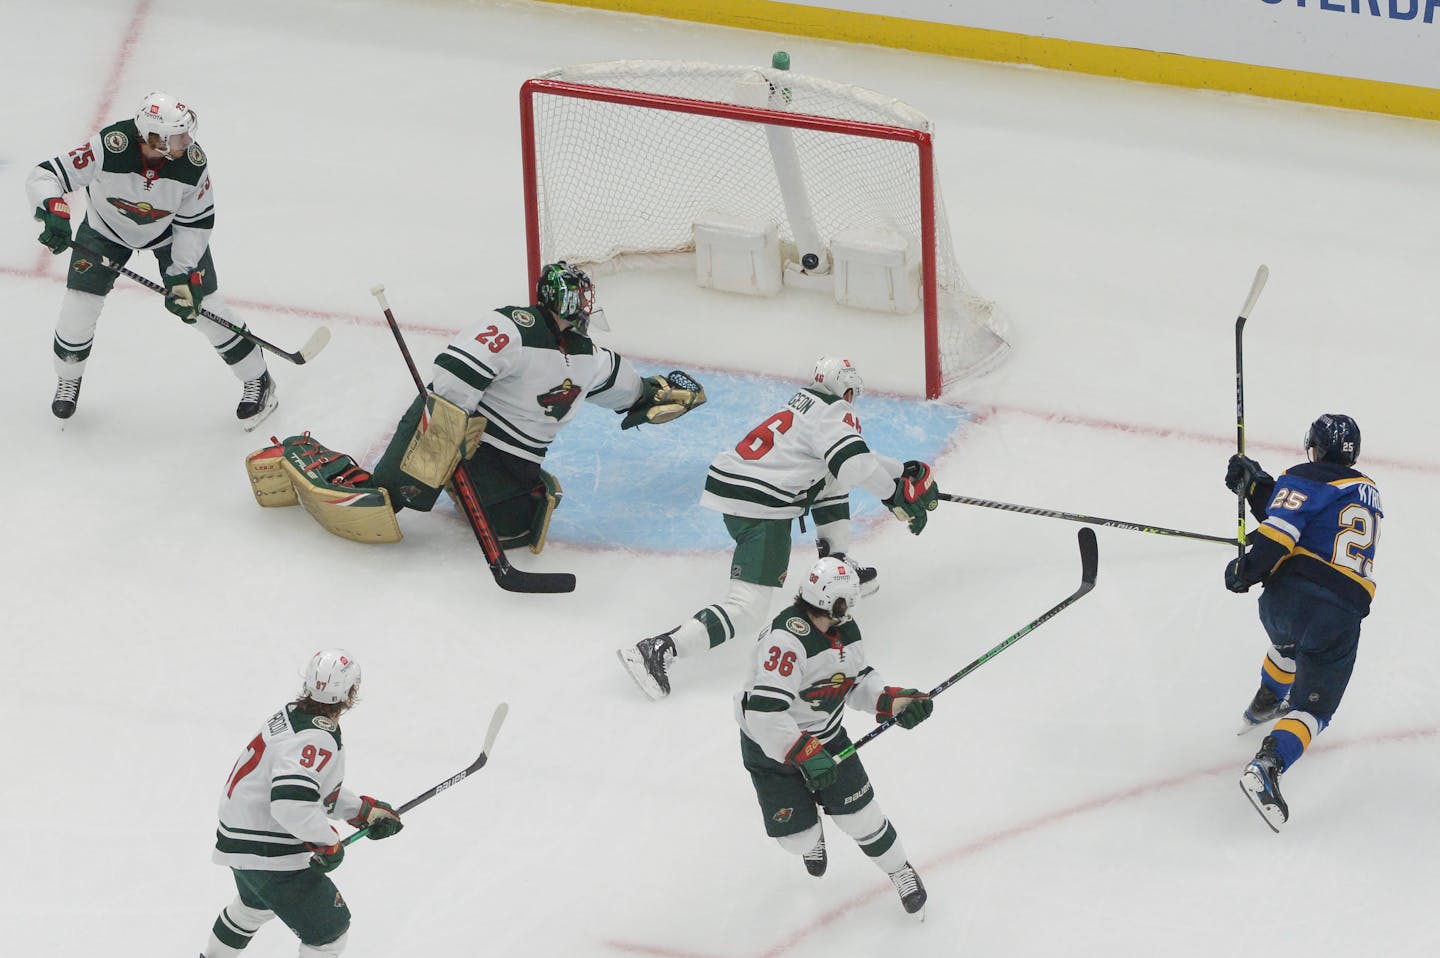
[526, 323]
[303, 723]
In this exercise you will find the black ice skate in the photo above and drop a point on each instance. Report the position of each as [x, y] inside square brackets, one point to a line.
[1261, 784]
[1263, 708]
[256, 401]
[67, 394]
[911, 889]
[816, 859]
[867, 575]
[646, 663]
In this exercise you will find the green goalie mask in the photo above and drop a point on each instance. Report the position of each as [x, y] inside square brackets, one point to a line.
[567, 292]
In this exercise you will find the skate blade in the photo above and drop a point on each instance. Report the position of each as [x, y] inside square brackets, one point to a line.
[270, 406]
[1254, 790]
[635, 665]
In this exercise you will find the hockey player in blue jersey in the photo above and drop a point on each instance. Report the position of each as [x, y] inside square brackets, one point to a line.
[1314, 551]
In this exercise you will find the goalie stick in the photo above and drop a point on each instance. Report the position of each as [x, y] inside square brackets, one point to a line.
[318, 340]
[496, 721]
[1261, 275]
[1090, 520]
[507, 576]
[1089, 564]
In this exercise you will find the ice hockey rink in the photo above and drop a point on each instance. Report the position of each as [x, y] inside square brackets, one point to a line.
[1076, 796]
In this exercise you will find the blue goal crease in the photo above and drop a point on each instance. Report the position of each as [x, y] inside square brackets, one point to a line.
[640, 488]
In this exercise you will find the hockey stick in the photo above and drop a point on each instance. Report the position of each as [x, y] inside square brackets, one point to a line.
[507, 576]
[1089, 564]
[496, 721]
[318, 340]
[1261, 275]
[1091, 520]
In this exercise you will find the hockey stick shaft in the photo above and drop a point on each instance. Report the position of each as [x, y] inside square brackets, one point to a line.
[1089, 520]
[496, 720]
[317, 341]
[1089, 566]
[507, 576]
[1258, 284]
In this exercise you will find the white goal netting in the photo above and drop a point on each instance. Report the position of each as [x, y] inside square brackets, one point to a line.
[618, 180]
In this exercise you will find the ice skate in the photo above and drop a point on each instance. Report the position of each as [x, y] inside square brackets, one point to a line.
[67, 395]
[911, 889]
[868, 576]
[646, 663]
[257, 401]
[1261, 783]
[1263, 708]
[815, 859]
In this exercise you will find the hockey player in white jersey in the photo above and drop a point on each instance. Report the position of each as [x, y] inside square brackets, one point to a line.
[803, 671]
[806, 457]
[500, 393]
[275, 810]
[147, 187]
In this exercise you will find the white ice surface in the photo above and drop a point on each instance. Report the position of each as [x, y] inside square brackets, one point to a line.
[1076, 796]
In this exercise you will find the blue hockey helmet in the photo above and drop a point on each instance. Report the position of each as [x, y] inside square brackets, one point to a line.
[567, 292]
[1333, 437]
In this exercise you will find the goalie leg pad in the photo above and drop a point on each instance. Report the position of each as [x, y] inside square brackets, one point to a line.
[268, 479]
[337, 493]
[444, 436]
[547, 495]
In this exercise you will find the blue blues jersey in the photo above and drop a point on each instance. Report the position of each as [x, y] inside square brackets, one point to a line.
[1320, 521]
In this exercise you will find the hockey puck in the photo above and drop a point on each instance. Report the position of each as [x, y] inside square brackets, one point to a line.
[810, 261]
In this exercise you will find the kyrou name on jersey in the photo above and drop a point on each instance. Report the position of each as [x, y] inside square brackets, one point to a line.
[557, 401]
[142, 213]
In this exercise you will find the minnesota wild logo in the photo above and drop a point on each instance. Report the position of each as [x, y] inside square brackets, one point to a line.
[557, 401]
[826, 695]
[142, 213]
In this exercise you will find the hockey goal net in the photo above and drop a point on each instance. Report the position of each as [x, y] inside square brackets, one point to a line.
[621, 158]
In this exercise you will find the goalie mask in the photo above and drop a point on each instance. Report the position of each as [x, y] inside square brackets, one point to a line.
[832, 586]
[332, 676]
[567, 292]
[836, 376]
[169, 119]
[1333, 438]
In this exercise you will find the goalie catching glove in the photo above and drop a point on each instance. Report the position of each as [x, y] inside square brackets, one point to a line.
[664, 398]
[915, 495]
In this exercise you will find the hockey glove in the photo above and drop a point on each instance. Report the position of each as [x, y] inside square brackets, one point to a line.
[183, 294]
[326, 858]
[664, 398]
[55, 214]
[380, 817]
[915, 495]
[1243, 473]
[814, 763]
[1235, 579]
[908, 707]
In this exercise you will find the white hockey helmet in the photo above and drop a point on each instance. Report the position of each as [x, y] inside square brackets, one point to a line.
[836, 375]
[332, 676]
[166, 117]
[829, 581]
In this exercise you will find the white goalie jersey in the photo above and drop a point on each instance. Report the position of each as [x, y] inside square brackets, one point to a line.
[283, 790]
[512, 368]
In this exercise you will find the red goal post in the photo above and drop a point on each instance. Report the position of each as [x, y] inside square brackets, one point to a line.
[617, 164]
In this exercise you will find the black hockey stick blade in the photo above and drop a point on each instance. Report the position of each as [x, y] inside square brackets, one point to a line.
[496, 720]
[1089, 566]
[512, 579]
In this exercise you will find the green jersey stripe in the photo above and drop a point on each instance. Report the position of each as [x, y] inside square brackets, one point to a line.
[610, 379]
[293, 793]
[467, 373]
[231, 846]
[507, 433]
